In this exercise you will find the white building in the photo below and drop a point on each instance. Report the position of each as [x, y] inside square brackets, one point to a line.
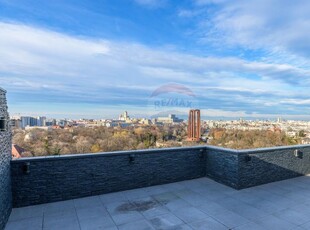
[124, 117]
[169, 120]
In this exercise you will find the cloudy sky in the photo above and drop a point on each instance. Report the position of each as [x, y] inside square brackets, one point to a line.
[89, 58]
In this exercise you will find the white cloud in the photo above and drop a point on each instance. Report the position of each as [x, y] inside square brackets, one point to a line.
[296, 101]
[35, 60]
[275, 25]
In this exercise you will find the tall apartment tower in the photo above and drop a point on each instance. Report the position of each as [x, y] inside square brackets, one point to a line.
[5, 158]
[194, 127]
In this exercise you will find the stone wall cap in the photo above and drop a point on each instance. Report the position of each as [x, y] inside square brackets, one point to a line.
[272, 149]
[104, 154]
[150, 151]
[257, 150]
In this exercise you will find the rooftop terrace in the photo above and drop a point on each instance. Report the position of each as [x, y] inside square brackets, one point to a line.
[201, 187]
[191, 204]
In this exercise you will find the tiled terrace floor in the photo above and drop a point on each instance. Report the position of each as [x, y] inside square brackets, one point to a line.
[193, 204]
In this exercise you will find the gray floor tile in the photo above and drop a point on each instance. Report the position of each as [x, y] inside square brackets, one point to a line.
[268, 206]
[120, 207]
[257, 192]
[97, 211]
[34, 223]
[92, 223]
[212, 208]
[302, 208]
[249, 212]
[250, 226]
[274, 223]
[284, 202]
[299, 197]
[229, 203]
[65, 212]
[60, 206]
[181, 227]
[135, 194]
[155, 211]
[173, 187]
[144, 204]
[26, 212]
[191, 214]
[154, 190]
[247, 198]
[306, 225]
[230, 219]
[123, 218]
[214, 195]
[61, 220]
[137, 225]
[88, 202]
[109, 228]
[166, 221]
[166, 197]
[298, 228]
[61, 214]
[112, 197]
[195, 199]
[184, 193]
[177, 204]
[208, 224]
[293, 216]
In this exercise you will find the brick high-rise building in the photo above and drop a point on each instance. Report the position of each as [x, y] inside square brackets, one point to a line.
[194, 127]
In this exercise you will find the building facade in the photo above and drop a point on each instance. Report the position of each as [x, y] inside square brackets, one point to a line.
[194, 125]
[5, 158]
[170, 119]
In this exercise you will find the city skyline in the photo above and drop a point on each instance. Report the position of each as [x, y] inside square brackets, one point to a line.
[138, 116]
[90, 59]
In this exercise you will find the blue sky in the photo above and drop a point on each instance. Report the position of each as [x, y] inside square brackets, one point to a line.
[87, 58]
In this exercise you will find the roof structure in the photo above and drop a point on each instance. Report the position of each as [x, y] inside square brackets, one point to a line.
[17, 151]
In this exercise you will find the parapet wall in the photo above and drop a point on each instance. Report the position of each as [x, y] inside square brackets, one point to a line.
[261, 166]
[48, 179]
[222, 165]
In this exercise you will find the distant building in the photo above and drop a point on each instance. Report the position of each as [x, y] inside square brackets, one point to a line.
[50, 122]
[41, 121]
[124, 116]
[194, 126]
[145, 121]
[24, 121]
[16, 123]
[62, 122]
[169, 120]
[121, 124]
[111, 124]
